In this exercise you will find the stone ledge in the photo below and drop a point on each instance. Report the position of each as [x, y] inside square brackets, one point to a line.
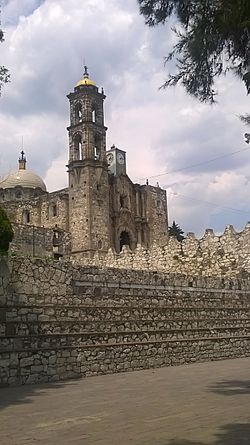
[122, 320]
[136, 343]
[123, 306]
[120, 285]
[114, 333]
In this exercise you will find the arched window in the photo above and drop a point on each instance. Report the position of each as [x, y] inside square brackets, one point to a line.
[53, 210]
[56, 238]
[124, 239]
[18, 194]
[78, 113]
[26, 217]
[78, 155]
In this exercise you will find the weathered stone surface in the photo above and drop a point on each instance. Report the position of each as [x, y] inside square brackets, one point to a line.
[134, 321]
[211, 256]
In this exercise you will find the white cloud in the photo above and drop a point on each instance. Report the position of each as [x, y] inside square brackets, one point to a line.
[46, 42]
[14, 9]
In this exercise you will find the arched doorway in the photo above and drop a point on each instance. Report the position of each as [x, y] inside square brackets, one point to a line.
[124, 239]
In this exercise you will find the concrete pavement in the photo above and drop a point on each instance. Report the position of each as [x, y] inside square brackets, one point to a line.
[199, 404]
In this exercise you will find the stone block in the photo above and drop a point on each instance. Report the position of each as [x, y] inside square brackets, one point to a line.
[26, 362]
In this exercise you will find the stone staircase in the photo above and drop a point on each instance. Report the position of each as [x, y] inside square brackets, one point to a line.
[101, 327]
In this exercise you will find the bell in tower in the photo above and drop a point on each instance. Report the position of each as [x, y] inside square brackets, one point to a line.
[87, 168]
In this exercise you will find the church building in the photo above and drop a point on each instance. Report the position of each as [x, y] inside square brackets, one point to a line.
[101, 208]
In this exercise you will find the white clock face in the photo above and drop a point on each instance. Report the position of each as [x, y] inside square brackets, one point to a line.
[110, 158]
[120, 158]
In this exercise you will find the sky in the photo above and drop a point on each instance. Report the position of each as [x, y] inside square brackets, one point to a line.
[168, 135]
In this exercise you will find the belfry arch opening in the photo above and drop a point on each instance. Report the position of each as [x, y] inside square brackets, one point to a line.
[78, 155]
[97, 148]
[94, 114]
[78, 112]
[124, 239]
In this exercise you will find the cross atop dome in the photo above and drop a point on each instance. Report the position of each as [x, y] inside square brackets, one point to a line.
[85, 74]
[22, 161]
[86, 80]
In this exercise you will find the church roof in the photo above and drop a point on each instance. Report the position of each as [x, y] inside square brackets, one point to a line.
[22, 177]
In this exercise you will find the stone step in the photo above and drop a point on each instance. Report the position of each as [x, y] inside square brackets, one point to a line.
[82, 339]
[91, 313]
[21, 328]
[173, 298]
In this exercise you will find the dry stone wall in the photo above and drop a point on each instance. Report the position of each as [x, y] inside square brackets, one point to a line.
[59, 321]
[227, 255]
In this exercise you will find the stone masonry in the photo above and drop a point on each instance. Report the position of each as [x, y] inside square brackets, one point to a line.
[227, 255]
[32, 241]
[59, 321]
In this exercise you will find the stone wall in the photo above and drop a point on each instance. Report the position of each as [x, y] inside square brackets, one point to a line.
[42, 242]
[47, 210]
[59, 321]
[227, 255]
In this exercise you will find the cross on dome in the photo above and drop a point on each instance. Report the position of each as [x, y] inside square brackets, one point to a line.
[85, 74]
[22, 161]
[22, 155]
[85, 80]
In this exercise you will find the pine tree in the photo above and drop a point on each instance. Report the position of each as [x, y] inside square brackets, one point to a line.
[213, 37]
[176, 231]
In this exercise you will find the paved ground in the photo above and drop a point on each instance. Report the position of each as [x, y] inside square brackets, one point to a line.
[197, 404]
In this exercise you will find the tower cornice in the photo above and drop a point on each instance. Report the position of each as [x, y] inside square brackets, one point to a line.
[89, 122]
[87, 163]
[86, 89]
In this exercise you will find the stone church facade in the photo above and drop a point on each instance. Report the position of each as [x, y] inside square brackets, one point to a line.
[101, 208]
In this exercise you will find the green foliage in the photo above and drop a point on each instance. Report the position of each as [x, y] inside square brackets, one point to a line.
[213, 37]
[176, 231]
[245, 118]
[4, 74]
[6, 232]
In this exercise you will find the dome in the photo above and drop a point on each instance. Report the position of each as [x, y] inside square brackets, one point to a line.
[85, 80]
[22, 177]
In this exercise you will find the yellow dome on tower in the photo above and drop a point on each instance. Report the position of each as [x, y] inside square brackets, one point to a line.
[86, 80]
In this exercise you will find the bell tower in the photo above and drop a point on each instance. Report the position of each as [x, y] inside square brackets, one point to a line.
[88, 169]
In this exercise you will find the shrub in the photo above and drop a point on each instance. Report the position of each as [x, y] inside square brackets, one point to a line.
[6, 232]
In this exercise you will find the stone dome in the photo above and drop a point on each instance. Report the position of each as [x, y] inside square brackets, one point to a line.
[23, 178]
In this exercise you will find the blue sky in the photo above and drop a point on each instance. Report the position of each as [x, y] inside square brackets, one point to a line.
[161, 131]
